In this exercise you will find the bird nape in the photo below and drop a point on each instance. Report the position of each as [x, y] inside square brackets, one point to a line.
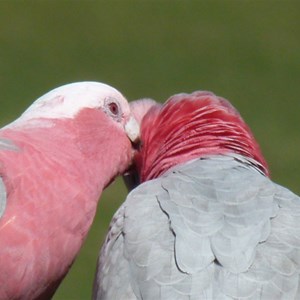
[206, 222]
[55, 160]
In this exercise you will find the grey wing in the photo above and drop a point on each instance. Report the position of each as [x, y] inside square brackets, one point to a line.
[202, 230]
[111, 280]
[2, 197]
[143, 247]
[211, 229]
[238, 224]
[280, 254]
[135, 228]
[5, 145]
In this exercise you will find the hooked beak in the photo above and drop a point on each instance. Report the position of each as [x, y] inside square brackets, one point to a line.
[132, 129]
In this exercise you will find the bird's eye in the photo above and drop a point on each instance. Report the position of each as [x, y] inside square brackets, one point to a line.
[114, 108]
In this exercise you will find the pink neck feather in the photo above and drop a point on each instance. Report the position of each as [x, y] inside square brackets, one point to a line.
[193, 125]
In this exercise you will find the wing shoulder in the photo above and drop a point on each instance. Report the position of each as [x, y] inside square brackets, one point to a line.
[3, 197]
[5, 145]
[123, 251]
[111, 280]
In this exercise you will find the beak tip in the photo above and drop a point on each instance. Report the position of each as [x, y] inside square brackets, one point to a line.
[132, 129]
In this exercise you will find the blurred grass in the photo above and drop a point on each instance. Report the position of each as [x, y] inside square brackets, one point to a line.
[245, 51]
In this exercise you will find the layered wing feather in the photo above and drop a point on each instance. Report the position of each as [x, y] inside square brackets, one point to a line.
[214, 228]
[5, 145]
[112, 280]
[2, 197]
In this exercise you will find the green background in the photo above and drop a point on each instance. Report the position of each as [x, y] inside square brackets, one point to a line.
[245, 51]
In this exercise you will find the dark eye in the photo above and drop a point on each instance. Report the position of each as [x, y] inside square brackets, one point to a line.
[114, 108]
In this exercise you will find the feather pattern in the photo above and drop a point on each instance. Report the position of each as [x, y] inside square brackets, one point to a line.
[212, 228]
[189, 126]
[2, 197]
[5, 145]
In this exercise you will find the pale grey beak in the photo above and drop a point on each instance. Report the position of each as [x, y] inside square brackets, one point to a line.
[132, 129]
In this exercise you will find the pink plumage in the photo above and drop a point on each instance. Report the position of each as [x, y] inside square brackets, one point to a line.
[54, 170]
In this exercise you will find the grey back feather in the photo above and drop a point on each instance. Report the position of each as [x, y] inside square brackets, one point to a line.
[213, 228]
[2, 197]
[5, 145]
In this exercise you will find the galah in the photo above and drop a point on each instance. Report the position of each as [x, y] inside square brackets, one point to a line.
[55, 160]
[206, 222]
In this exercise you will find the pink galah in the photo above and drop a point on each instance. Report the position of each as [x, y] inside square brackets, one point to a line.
[55, 160]
[206, 222]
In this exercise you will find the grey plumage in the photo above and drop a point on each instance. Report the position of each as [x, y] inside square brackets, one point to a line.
[213, 228]
[2, 197]
[5, 144]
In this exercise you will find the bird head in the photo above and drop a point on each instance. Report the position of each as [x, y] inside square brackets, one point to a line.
[189, 126]
[69, 100]
[89, 122]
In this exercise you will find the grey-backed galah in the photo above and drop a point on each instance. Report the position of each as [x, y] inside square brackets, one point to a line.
[206, 221]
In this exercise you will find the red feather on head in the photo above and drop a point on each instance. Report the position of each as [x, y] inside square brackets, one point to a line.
[189, 126]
